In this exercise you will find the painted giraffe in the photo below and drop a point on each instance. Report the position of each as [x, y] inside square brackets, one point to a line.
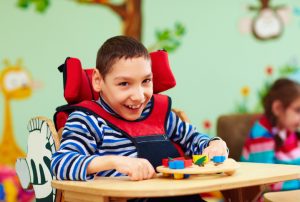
[15, 84]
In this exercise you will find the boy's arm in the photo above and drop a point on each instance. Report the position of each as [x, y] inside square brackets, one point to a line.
[188, 137]
[77, 157]
[135, 168]
[77, 148]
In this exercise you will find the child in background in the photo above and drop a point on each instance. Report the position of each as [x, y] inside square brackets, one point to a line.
[136, 127]
[274, 137]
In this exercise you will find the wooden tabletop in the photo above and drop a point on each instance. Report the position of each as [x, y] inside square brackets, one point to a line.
[290, 196]
[249, 174]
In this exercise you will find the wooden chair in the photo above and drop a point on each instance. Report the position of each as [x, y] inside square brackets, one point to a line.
[234, 129]
[34, 170]
[182, 115]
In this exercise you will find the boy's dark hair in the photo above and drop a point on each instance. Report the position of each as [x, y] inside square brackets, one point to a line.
[116, 48]
[284, 90]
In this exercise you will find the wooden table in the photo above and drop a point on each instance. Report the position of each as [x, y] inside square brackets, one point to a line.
[290, 196]
[245, 184]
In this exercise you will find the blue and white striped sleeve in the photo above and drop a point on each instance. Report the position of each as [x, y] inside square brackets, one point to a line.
[186, 135]
[78, 146]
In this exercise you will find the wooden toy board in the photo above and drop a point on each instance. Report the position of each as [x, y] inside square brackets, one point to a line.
[228, 167]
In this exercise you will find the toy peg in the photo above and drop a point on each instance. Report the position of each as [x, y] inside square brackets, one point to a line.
[188, 163]
[166, 175]
[165, 162]
[178, 176]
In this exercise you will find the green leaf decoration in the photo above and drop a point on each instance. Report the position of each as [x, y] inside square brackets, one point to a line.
[169, 39]
[40, 5]
[23, 3]
[179, 29]
[200, 161]
[170, 159]
[287, 70]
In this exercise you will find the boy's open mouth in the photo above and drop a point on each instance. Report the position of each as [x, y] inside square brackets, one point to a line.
[134, 106]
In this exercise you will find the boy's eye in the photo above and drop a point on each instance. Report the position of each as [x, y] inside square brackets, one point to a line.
[147, 80]
[123, 83]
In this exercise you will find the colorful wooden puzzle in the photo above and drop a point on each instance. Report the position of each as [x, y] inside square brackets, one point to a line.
[181, 168]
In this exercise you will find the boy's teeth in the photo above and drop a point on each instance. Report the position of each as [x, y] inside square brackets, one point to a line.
[133, 106]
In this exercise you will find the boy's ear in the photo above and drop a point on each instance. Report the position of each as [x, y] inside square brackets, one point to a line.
[97, 80]
[277, 107]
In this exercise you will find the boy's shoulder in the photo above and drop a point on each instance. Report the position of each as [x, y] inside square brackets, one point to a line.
[84, 116]
[84, 122]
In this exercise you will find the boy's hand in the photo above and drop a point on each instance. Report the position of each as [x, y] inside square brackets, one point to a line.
[216, 148]
[135, 168]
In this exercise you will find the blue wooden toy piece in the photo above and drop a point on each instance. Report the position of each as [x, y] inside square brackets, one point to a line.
[218, 159]
[177, 164]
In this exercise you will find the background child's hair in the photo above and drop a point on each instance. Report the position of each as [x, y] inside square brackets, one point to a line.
[284, 90]
[116, 48]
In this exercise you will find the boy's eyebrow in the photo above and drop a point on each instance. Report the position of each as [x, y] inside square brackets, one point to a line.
[122, 78]
[149, 75]
[128, 78]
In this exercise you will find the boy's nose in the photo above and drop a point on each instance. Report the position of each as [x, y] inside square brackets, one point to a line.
[138, 95]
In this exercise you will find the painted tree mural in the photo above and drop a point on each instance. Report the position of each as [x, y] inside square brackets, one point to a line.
[130, 13]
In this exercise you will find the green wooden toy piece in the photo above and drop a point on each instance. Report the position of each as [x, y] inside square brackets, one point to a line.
[201, 161]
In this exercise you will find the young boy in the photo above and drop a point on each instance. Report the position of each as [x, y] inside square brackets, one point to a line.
[135, 129]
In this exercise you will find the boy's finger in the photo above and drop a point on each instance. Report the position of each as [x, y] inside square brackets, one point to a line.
[145, 171]
[206, 152]
[150, 170]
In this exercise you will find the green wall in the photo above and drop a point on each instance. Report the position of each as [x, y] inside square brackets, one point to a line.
[214, 61]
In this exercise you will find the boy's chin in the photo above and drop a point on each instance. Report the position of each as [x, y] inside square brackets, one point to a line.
[131, 117]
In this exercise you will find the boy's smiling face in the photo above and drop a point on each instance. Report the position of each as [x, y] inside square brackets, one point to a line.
[127, 87]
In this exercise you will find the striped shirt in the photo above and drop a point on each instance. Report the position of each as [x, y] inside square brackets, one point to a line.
[261, 147]
[86, 136]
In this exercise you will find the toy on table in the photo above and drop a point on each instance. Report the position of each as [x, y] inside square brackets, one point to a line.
[199, 164]
[200, 160]
[218, 159]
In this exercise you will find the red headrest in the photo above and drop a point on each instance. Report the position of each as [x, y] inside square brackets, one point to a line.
[163, 78]
[78, 86]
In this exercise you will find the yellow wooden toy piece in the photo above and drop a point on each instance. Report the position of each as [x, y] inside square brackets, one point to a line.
[197, 157]
[178, 176]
